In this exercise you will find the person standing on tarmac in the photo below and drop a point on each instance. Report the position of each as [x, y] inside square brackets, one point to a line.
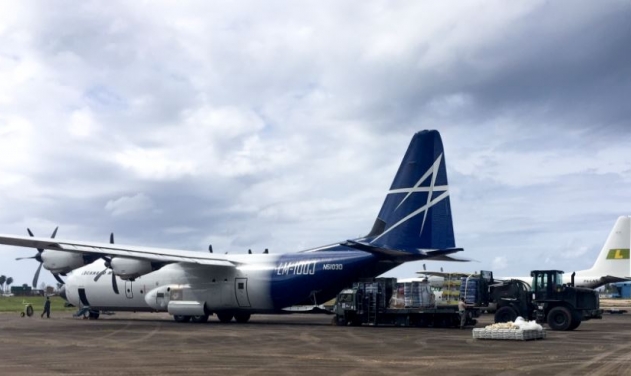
[46, 308]
[462, 309]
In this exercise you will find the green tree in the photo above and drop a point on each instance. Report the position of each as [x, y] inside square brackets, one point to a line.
[3, 279]
[9, 281]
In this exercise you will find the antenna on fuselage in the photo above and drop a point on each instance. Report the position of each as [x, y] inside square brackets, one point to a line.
[265, 251]
[210, 248]
[249, 251]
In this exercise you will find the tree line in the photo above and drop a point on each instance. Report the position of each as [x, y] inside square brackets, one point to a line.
[4, 280]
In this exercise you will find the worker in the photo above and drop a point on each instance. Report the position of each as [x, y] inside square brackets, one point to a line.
[46, 308]
[462, 309]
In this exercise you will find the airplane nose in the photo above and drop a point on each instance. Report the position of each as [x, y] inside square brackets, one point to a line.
[62, 293]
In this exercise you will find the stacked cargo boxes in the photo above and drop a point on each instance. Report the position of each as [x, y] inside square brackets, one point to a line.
[412, 295]
[469, 289]
[451, 289]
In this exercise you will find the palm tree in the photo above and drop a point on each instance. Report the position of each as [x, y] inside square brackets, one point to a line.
[9, 282]
[2, 280]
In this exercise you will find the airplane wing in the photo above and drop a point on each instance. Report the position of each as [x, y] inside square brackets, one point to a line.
[103, 249]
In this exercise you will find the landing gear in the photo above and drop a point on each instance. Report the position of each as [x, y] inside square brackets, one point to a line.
[225, 317]
[199, 319]
[93, 315]
[180, 318]
[242, 317]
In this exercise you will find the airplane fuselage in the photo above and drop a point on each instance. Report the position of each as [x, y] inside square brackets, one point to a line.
[262, 283]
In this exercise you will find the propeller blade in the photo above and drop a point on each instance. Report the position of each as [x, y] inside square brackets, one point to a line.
[54, 232]
[114, 285]
[31, 234]
[37, 275]
[25, 258]
[112, 238]
[58, 278]
[100, 274]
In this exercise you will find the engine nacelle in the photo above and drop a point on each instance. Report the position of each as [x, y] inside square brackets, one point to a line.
[129, 268]
[60, 262]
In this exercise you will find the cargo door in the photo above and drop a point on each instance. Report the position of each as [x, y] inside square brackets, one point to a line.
[241, 292]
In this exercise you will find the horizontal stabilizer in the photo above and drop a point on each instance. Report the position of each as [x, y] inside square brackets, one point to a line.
[613, 279]
[401, 255]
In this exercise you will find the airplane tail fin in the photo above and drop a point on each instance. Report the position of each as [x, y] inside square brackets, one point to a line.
[416, 214]
[613, 259]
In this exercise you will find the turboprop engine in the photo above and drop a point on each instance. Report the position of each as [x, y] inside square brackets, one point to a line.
[129, 268]
[60, 262]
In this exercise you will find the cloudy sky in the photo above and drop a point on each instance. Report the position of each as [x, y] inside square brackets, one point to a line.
[280, 124]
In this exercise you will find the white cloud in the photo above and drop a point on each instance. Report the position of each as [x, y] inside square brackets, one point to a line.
[500, 263]
[130, 205]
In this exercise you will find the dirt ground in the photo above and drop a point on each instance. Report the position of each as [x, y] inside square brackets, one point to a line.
[153, 344]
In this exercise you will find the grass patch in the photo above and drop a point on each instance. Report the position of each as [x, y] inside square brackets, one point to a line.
[15, 304]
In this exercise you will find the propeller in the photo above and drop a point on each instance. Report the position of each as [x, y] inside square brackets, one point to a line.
[38, 257]
[108, 265]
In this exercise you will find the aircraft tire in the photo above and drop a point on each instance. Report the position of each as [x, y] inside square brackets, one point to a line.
[559, 318]
[242, 317]
[225, 317]
[180, 318]
[199, 319]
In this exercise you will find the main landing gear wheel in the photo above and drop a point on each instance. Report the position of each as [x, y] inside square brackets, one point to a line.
[224, 317]
[93, 315]
[180, 318]
[242, 317]
[199, 319]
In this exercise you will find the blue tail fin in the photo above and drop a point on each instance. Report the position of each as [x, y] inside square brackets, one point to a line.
[416, 213]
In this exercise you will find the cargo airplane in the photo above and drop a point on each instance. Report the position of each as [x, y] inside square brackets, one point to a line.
[611, 266]
[413, 224]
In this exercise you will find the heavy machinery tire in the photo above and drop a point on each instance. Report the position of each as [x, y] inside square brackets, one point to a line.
[505, 314]
[577, 317]
[242, 318]
[559, 318]
[224, 317]
[180, 318]
[199, 319]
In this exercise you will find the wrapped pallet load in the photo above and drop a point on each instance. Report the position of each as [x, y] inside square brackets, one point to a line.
[469, 289]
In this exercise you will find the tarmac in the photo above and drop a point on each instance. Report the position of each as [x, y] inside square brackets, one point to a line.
[298, 344]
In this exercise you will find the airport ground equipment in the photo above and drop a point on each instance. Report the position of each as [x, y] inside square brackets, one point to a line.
[548, 300]
[28, 309]
[383, 301]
